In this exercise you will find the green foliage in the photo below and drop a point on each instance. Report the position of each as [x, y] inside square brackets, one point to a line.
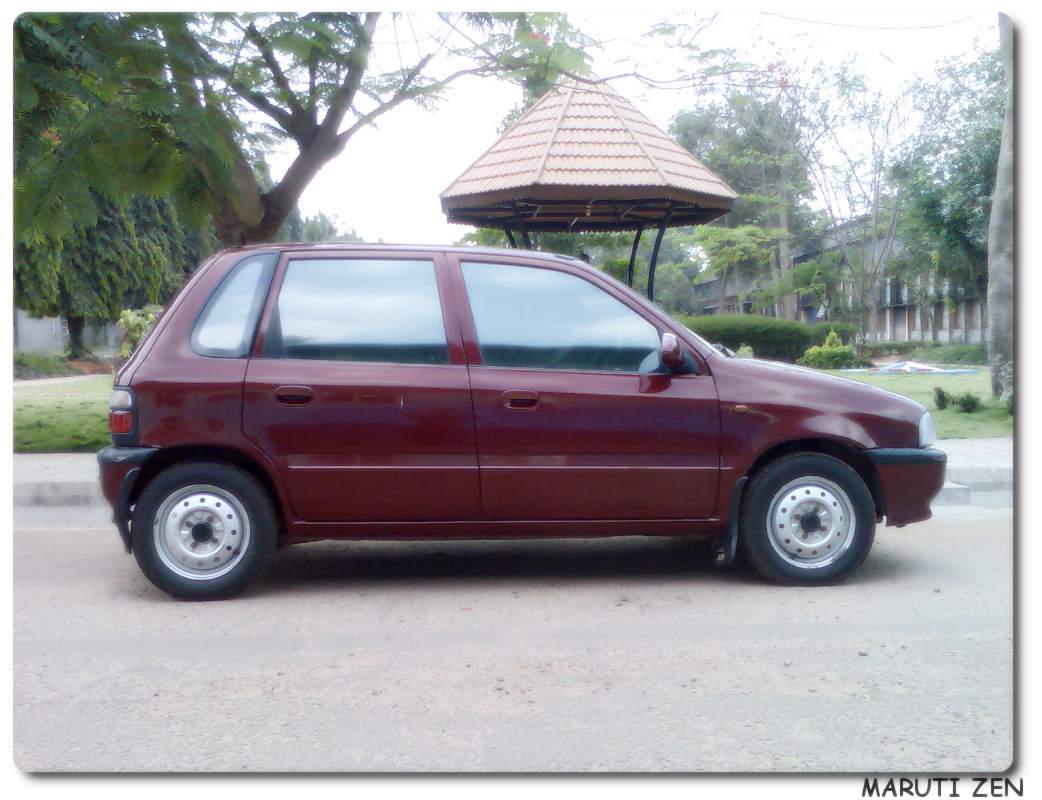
[821, 331]
[948, 172]
[952, 354]
[136, 253]
[968, 402]
[941, 398]
[135, 324]
[770, 338]
[38, 365]
[186, 105]
[838, 356]
[746, 248]
[745, 351]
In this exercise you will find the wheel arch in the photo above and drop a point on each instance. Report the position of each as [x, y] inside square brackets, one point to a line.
[168, 457]
[850, 455]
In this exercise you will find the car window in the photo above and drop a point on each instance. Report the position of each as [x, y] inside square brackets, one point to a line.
[225, 328]
[358, 310]
[546, 319]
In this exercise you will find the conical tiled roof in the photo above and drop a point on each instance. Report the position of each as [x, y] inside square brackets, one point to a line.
[584, 158]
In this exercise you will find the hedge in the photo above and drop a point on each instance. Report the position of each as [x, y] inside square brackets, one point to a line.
[770, 338]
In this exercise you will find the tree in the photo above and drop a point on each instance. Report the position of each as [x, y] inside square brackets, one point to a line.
[201, 97]
[1000, 237]
[948, 179]
[729, 251]
[756, 137]
[137, 253]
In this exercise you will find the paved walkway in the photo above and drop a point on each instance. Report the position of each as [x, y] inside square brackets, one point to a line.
[50, 479]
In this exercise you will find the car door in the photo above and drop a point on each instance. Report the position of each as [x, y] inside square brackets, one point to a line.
[576, 416]
[359, 391]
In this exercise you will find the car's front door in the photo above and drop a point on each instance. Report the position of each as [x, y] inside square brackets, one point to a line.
[359, 392]
[576, 416]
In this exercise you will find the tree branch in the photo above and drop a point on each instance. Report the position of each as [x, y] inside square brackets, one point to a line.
[264, 46]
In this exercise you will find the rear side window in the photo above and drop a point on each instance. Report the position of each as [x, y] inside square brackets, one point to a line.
[359, 310]
[545, 319]
[225, 328]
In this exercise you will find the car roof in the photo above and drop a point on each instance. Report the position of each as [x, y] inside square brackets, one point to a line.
[442, 248]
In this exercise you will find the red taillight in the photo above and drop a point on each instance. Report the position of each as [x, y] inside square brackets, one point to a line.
[120, 422]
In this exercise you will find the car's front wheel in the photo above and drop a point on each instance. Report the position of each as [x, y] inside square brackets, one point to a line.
[807, 519]
[203, 530]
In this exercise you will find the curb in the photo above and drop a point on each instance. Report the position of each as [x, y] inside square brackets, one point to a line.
[58, 493]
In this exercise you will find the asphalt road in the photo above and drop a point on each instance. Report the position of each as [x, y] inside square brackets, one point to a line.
[620, 655]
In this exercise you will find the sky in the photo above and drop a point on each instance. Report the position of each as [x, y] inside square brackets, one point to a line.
[385, 185]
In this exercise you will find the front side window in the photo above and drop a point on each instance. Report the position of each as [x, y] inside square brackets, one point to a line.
[545, 319]
[226, 326]
[358, 310]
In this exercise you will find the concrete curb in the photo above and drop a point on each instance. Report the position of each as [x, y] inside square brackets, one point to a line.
[58, 493]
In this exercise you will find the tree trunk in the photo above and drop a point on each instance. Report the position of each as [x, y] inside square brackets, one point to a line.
[77, 349]
[788, 300]
[723, 289]
[1000, 237]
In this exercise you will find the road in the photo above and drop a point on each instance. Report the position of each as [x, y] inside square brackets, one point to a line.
[613, 655]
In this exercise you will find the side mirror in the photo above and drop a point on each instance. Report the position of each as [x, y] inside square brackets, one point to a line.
[671, 352]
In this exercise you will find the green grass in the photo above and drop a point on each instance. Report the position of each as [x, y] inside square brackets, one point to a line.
[991, 420]
[38, 365]
[62, 417]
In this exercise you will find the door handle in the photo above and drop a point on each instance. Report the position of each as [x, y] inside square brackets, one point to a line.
[294, 395]
[520, 398]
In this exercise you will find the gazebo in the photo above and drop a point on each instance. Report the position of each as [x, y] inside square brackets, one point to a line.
[584, 158]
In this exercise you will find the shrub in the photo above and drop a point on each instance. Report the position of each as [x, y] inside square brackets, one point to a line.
[820, 331]
[770, 338]
[39, 365]
[821, 357]
[941, 398]
[968, 402]
[745, 351]
[939, 353]
[135, 324]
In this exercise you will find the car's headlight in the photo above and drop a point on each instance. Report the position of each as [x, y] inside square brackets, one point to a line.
[927, 430]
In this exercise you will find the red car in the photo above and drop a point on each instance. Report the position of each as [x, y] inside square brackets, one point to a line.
[292, 393]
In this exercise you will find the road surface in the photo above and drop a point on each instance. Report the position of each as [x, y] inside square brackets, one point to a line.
[608, 655]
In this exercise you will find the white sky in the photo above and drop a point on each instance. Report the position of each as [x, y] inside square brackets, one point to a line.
[386, 183]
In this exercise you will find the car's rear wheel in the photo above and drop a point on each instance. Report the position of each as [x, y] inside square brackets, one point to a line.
[807, 519]
[203, 530]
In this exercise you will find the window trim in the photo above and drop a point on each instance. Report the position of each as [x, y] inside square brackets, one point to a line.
[453, 340]
[269, 268]
[473, 341]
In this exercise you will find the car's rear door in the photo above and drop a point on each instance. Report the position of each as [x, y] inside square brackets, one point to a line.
[358, 389]
[576, 417]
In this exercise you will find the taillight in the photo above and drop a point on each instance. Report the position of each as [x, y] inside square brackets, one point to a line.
[120, 422]
[121, 415]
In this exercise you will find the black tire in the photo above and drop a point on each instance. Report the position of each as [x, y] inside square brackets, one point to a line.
[244, 565]
[766, 556]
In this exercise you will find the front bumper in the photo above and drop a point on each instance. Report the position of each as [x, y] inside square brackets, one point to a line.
[909, 478]
[119, 468]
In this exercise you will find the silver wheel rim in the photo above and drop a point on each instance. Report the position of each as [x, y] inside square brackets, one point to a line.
[811, 522]
[201, 532]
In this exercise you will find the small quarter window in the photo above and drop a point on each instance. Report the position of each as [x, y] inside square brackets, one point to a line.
[377, 310]
[225, 328]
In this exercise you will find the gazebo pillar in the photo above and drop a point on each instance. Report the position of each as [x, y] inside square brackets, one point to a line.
[633, 256]
[654, 253]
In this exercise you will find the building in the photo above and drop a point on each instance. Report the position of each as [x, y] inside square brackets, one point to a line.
[938, 312]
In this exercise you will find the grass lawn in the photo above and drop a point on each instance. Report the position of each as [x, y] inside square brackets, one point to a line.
[991, 420]
[62, 417]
